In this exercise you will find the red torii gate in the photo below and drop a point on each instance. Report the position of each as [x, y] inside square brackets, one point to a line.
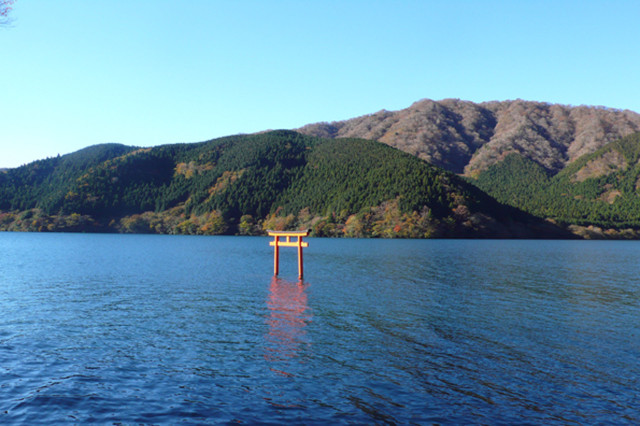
[276, 243]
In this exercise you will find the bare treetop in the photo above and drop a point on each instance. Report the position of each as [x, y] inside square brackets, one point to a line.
[5, 9]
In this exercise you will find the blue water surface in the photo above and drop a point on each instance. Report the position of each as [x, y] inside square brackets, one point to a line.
[132, 329]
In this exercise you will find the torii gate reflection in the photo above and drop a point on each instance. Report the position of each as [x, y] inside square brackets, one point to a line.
[289, 315]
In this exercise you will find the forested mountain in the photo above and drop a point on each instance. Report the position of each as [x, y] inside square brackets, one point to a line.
[577, 167]
[46, 182]
[246, 184]
[601, 189]
[465, 137]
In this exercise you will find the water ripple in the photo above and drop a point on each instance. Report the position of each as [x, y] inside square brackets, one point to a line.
[150, 330]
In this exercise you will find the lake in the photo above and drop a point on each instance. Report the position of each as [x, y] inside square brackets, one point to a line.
[137, 329]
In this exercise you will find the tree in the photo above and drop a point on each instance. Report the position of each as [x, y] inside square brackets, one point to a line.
[5, 8]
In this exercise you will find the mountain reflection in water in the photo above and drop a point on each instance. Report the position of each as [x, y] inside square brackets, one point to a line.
[289, 315]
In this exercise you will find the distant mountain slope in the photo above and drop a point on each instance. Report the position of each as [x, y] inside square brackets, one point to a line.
[245, 184]
[599, 189]
[465, 137]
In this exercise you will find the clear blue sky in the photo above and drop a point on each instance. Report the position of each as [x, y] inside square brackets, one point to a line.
[147, 72]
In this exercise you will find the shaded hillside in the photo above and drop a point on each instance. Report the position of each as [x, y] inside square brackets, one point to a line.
[465, 137]
[599, 189]
[246, 184]
[45, 183]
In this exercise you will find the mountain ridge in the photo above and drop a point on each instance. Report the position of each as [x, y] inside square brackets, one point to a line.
[574, 166]
[247, 184]
[466, 138]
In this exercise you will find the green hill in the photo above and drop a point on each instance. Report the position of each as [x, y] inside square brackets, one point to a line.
[600, 189]
[246, 184]
[42, 182]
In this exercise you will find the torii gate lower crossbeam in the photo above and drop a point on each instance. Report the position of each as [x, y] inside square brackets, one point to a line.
[276, 244]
